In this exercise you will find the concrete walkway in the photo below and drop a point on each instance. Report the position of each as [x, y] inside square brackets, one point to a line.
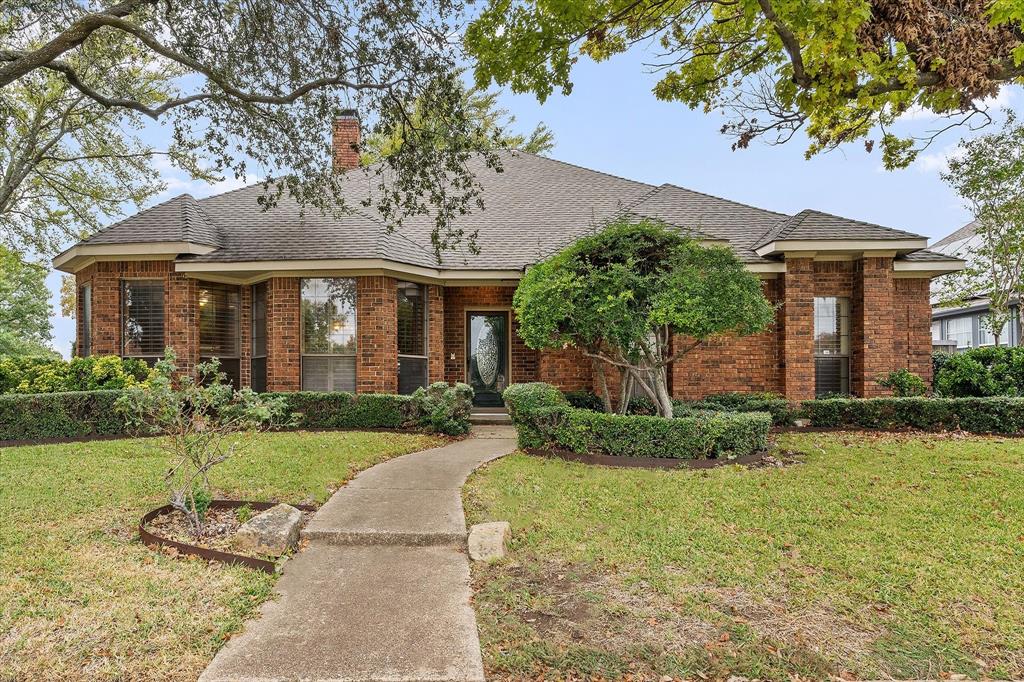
[382, 591]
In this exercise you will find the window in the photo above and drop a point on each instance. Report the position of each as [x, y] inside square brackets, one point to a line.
[142, 318]
[831, 345]
[959, 329]
[937, 330]
[258, 363]
[412, 337]
[985, 335]
[328, 334]
[219, 306]
[85, 321]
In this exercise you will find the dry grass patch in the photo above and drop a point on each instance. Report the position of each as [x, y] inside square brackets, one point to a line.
[82, 599]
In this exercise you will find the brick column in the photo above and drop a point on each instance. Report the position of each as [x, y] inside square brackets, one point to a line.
[181, 319]
[797, 329]
[435, 339]
[872, 332]
[377, 324]
[283, 329]
[912, 326]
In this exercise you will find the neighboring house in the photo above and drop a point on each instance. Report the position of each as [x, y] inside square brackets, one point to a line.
[956, 329]
[290, 301]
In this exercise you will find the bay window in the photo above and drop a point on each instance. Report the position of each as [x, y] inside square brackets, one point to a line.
[831, 345]
[328, 334]
[412, 336]
[219, 307]
[142, 319]
[258, 362]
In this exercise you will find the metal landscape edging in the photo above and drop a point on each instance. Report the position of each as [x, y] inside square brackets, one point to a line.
[151, 539]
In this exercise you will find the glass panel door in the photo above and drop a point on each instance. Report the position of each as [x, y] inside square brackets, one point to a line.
[487, 356]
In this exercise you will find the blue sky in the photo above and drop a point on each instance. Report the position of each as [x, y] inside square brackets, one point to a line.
[611, 122]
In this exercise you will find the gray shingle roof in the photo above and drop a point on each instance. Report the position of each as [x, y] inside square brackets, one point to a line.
[532, 208]
[928, 255]
[808, 224]
[954, 240]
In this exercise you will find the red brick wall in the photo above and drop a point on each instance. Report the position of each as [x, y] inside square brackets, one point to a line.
[458, 300]
[283, 333]
[568, 369]
[436, 333]
[872, 322]
[796, 339]
[912, 326]
[746, 364]
[377, 325]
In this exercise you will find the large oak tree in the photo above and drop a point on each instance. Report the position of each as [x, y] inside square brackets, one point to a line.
[840, 70]
[244, 88]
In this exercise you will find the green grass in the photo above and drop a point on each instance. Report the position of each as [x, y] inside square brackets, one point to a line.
[82, 599]
[876, 555]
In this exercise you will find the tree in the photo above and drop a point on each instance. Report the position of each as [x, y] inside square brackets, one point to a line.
[638, 296]
[24, 307]
[202, 421]
[257, 83]
[988, 174]
[491, 123]
[838, 69]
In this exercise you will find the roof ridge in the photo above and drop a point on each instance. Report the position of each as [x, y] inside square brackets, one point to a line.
[579, 167]
[137, 214]
[857, 220]
[729, 201]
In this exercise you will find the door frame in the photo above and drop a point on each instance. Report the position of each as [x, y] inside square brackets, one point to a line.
[484, 310]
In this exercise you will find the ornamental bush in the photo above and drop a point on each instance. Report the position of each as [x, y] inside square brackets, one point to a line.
[60, 415]
[982, 372]
[774, 404]
[442, 408]
[340, 410]
[904, 383]
[976, 415]
[47, 375]
[543, 417]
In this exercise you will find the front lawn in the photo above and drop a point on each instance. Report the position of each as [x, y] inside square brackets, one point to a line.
[874, 556]
[82, 599]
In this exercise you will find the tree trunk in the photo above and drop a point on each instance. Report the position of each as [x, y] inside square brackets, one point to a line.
[606, 397]
[625, 390]
[661, 389]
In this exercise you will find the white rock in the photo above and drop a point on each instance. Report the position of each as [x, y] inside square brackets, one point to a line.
[488, 541]
[274, 531]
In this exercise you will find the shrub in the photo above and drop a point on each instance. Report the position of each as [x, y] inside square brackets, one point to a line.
[202, 422]
[543, 417]
[314, 410]
[443, 408]
[982, 372]
[46, 375]
[904, 383]
[774, 404]
[60, 415]
[976, 415]
[585, 400]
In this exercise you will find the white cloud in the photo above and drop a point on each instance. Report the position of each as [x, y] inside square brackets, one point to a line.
[1003, 99]
[179, 183]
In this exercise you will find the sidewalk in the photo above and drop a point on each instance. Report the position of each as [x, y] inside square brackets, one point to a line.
[382, 592]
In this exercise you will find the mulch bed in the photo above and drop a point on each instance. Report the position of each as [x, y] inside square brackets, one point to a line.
[168, 530]
[758, 459]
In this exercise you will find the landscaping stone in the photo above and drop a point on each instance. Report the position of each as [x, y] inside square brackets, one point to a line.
[274, 531]
[488, 541]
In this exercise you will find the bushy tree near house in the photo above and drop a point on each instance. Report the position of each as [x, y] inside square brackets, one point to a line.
[840, 71]
[622, 295]
[988, 174]
[25, 329]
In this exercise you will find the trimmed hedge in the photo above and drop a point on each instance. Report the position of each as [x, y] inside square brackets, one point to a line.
[975, 415]
[49, 375]
[340, 410]
[60, 415]
[543, 417]
[774, 404]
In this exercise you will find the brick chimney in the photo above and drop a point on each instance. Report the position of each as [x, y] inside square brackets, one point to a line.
[345, 140]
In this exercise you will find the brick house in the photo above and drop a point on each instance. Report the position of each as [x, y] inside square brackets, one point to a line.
[291, 300]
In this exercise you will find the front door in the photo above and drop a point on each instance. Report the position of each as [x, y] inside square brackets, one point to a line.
[487, 356]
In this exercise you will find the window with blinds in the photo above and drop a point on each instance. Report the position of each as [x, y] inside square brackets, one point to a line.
[831, 345]
[412, 336]
[85, 321]
[328, 334]
[142, 318]
[219, 308]
[258, 362]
